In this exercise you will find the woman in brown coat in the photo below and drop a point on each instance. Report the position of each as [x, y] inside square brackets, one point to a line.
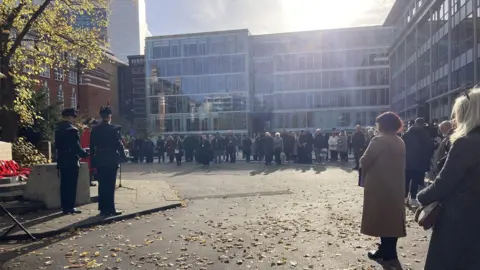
[383, 167]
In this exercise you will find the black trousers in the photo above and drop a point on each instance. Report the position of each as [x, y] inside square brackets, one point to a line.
[178, 159]
[333, 155]
[231, 154]
[149, 157]
[68, 187]
[388, 248]
[268, 158]
[413, 179]
[277, 153]
[344, 156]
[107, 176]
[188, 155]
[247, 155]
[357, 154]
[161, 156]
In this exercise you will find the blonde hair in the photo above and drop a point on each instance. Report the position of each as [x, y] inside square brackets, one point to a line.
[466, 112]
[268, 134]
[277, 134]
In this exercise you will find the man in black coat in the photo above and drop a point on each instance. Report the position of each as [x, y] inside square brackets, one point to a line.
[419, 151]
[189, 144]
[107, 152]
[231, 143]
[246, 147]
[161, 149]
[319, 143]
[69, 152]
[358, 144]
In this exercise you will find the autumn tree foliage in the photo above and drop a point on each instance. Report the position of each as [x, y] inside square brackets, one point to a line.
[34, 35]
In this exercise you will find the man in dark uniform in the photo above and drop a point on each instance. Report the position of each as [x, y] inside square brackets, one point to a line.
[107, 152]
[69, 152]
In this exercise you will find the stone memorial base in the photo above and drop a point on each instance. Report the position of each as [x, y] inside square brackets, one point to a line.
[44, 185]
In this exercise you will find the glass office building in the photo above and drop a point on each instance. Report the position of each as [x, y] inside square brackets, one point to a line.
[320, 79]
[434, 55]
[198, 83]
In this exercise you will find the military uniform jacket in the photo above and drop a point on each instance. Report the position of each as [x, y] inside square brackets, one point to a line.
[67, 144]
[106, 146]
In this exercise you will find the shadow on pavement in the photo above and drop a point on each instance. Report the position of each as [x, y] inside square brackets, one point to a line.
[29, 220]
[24, 247]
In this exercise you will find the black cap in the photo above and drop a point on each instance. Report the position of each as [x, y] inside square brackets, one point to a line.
[105, 111]
[69, 112]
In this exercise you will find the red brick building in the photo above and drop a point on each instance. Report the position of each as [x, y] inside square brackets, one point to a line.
[96, 87]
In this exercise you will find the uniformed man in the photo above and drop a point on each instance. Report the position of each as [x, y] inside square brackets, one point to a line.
[69, 152]
[107, 152]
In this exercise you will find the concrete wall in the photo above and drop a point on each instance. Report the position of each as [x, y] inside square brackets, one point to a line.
[5, 151]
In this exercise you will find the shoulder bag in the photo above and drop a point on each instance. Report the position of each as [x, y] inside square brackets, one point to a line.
[426, 216]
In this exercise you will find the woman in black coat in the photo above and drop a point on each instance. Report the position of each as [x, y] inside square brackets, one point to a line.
[268, 145]
[455, 240]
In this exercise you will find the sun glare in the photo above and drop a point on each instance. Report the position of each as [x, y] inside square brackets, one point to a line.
[322, 14]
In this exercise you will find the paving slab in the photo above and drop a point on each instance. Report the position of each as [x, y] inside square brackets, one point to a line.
[133, 198]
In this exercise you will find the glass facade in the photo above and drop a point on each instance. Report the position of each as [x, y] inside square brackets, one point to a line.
[320, 79]
[434, 57]
[198, 82]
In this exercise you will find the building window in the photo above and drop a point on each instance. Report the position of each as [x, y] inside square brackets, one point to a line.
[72, 77]
[45, 71]
[58, 74]
[139, 111]
[73, 99]
[60, 98]
[28, 66]
[137, 90]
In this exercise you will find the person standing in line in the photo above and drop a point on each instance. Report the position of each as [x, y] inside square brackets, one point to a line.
[446, 128]
[277, 148]
[332, 146]
[342, 146]
[454, 243]
[253, 148]
[358, 144]
[107, 153]
[383, 169]
[189, 144]
[179, 150]
[268, 144]
[170, 147]
[69, 152]
[231, 146]
[217, 145]
[319, 144]
[161, 149]
[419, 154]
[246, 147]
[149, 150]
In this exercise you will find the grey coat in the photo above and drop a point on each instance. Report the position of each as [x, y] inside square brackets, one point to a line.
[456, 236]
[342, 145]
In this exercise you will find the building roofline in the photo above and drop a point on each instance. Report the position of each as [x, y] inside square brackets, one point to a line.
[395, 12]
[345, 29]
[200, 34]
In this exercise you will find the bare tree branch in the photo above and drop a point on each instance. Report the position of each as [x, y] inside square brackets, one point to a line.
[27, 28]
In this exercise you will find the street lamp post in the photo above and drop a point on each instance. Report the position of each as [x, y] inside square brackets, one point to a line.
[79, 67]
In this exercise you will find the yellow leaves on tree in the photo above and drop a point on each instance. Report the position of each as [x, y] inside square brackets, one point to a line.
[38, 36]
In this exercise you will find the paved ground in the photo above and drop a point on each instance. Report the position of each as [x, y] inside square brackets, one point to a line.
[134, 197]
[242, 216]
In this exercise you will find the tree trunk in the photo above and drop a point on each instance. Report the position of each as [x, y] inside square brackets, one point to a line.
[8, 117]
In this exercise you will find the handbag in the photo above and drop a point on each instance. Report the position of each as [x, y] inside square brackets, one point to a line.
[426, 216]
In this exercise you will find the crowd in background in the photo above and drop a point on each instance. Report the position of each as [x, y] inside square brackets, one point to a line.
[302, 147]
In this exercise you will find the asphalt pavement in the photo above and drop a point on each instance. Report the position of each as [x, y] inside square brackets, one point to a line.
[236, 216]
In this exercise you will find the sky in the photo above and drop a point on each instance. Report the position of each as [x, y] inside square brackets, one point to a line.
[165, 17]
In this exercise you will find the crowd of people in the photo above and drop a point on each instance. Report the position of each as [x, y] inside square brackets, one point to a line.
[287, 147]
